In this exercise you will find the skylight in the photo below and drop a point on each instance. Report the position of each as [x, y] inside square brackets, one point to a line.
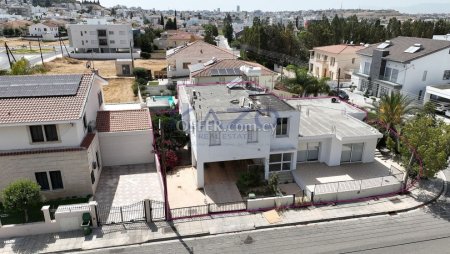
[384, 45]
[413, 49]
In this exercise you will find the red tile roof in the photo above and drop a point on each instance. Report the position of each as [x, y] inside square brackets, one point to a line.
[123, 120]
[46, 109]
[202, 49]
[40, 150]
[87, 141]
[231, 63]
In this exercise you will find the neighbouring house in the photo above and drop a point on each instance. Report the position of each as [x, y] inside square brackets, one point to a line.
[46, 30]
[232, 71]
[57, 131]
[179, 59]
[325, 62]
[404, 64]
[101, 41]
[278, 135]
[125, 129]
[212, 113]
[174, 38]
[440, 97]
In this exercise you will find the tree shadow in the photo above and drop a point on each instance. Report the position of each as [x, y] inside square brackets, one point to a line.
[440, 208]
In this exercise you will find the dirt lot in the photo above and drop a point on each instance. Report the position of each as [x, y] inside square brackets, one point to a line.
[119, 88]
[106, 68]
[17, 42]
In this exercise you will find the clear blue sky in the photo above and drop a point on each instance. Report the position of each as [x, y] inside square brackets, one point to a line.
[271, 5]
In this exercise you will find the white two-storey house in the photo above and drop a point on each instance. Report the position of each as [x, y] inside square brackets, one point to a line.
[404, 64]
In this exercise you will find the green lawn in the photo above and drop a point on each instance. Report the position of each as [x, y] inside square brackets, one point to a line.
[32, 51]
[153, 83]
[35, 214]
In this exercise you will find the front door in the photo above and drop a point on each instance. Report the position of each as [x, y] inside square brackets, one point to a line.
[126, 70]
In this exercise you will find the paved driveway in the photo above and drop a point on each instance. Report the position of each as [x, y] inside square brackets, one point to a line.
[124, 185]
[220, 182]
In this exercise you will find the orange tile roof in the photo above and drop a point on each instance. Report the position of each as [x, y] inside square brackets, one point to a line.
[339, 49]
[123, 120]
[202, 49]
[231, 63]
[46, 109]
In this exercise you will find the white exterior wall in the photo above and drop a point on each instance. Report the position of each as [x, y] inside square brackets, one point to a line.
[125, 148]
[331, 148]
[91, 40]
[18, 137]
[435, 64]
[38, 30]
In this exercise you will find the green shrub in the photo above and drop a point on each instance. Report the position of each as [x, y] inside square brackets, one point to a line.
[21, 195]
[145, 55]
[140, 73]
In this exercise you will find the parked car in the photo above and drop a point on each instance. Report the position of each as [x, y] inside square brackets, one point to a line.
[447, 113]
[442, 107]
[341, 94]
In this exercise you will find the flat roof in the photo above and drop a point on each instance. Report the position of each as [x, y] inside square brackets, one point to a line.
[317, 119]
[327, 105]
[224, 102]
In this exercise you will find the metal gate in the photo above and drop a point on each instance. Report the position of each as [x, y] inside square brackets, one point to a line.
[121, 214]
[157, 210]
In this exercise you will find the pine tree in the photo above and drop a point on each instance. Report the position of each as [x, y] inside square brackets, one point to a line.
[161, 21]
[175, 26]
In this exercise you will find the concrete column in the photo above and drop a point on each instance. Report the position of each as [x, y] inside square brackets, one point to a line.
[93, 212]
[200, 175]
[46, 211]
[148, 210]
[266, 168]
[335, 152]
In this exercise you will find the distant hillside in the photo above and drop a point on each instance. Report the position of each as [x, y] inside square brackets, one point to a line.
[50, 2]
[426, 8]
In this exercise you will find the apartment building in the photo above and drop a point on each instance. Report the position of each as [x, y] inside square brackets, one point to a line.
[101, 41]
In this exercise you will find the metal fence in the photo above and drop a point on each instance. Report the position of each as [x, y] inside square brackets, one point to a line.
[207, 209]
[108, 214]
[395, 178]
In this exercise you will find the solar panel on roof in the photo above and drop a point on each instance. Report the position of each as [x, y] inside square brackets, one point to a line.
[214, 72]
[222, 72]
[39, 86]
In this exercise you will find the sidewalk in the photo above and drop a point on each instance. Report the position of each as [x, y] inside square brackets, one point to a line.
[136, 233]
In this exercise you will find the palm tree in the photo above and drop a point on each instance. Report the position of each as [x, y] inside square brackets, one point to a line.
[304, 84]
[392, 108]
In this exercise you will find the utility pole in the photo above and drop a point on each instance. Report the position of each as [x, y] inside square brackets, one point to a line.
[163, 172]
[60, 45]
[7, 53]
[339, 79]
[132, 59]
[40, 50]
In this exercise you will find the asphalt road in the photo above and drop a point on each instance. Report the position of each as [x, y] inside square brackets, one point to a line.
[426, 230]
[33, 58]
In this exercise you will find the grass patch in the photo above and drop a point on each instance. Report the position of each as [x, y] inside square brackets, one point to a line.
[153, 83]
[34, 213]
[32, 51]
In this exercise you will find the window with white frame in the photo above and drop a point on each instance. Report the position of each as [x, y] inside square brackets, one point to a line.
[282, 127]
[252, 135]
[352, 152]
[332, 61]
[391, 74]
[280, 162]
[308, 152]
[43, 133]
[366, 68]
[214, 138]
[446, 75]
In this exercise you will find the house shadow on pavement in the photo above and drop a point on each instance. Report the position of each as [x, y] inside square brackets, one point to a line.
[441, 207]
[41, 243]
